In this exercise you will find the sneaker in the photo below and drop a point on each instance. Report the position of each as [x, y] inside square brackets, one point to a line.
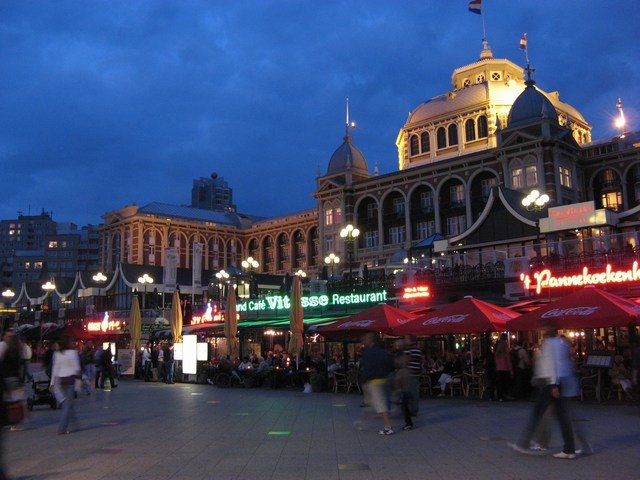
[407, 427]
[520, 449]
[564, 455]
[385, 431]
[536, 447]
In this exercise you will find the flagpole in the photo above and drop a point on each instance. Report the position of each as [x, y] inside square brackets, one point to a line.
[484, 30]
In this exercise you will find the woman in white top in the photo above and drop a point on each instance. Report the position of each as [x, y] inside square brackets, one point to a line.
[65, 371]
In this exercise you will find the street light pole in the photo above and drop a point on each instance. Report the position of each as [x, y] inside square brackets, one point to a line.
[350, 235]
[331, 260]
[223, 277]
[536, 202]
[145, 280]
[250, 264]
[99, 278]
[6, 295]
[48, 288]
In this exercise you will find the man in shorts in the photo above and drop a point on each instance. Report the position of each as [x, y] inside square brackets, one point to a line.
[376, 365]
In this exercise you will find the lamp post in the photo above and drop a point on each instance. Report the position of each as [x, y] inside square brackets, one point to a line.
[301, 273]
[536, 202]
[145, 280]
[350, 234]
[48, 288]
[331, 260]
[99, 278]
[223, 277]
[250, 264]
[6, 295]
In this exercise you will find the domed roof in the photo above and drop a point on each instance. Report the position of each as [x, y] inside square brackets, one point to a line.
[348, 157]
[531, 106]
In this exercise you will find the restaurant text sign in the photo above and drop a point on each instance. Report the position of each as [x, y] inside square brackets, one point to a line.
[546, 279]
[281, 302]
[416, 292]
[105, 325]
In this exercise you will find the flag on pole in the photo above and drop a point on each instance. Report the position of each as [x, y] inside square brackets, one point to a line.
[523, 42]
[475, 6]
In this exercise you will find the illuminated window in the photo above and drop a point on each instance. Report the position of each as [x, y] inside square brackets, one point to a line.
[483, 129]
[487, 184]
[328, 216]
[328, 244]
[424, 142]
[426, 229]
[426, 201]
[456, 225]
[456, 195]
[53, 244]
[517, 178]
[531, 174]
[565, 176]
[337, 215]
[415, 145]
[612, 200]
[441, 137]
[453, 134]
[470, 130]
[371, 239]
[397, 234]
[27, 265]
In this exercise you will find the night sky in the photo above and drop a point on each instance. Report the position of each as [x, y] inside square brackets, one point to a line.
[108, 103]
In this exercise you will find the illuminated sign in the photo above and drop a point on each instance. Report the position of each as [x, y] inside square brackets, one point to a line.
[576, 215]
[210, 315]
[546, 279]
[416, 292]
[105, 325]
[280, 302]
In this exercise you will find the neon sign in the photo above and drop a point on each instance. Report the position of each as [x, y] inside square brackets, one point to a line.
[105, 325]
[546, 279]
[211, 314]
[416, 292]
[280, 302]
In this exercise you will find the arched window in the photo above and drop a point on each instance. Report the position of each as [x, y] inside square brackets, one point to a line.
[470, 130]
[441, 137]
[414, 145]
[483, 129]
[424, 142]
[453, 134]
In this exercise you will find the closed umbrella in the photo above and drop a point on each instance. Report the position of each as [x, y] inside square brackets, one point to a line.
[135, 324]
[176, 317]
[231, 324]
[296, 318]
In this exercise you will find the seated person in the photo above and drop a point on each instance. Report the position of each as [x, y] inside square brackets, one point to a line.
[336, 365]
[620, 375]
[245, 364]
[452, 366]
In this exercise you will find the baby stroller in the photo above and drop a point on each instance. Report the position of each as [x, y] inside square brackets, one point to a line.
[40, 394]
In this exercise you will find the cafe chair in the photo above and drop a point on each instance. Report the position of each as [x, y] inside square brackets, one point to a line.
[339, 381]
[474, 383]
[456, 386]
[590, 384]
[425, 385]
[352, 380]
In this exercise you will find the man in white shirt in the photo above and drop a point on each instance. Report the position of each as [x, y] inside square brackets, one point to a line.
[146, 362]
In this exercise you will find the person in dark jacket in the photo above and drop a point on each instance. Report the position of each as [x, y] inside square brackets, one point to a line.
[376, 364]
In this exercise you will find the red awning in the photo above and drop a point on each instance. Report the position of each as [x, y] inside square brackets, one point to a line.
[589, 307]
[468, 315]
[381, 318]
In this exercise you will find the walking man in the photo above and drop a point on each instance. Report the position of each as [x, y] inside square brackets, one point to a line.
[376, 364]
[415, 364]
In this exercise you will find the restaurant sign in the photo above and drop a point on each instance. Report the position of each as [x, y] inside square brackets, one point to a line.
[546, 279]
[416, 292]
[107, 324]
[282, 302]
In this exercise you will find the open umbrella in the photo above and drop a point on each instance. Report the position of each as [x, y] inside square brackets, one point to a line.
[468, 315]
[231, 324]
[135, 324]
[176, 318]
[589, 307]
[380, 318]
[296, 318]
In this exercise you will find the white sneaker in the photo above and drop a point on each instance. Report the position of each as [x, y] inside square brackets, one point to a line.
[386, 431]
[566, 456]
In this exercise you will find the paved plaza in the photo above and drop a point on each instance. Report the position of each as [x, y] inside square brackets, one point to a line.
[186, 431]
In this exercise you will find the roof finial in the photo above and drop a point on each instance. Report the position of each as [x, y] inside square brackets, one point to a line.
[529, 69]
[376, 170]
[621, 123]
[349, 125]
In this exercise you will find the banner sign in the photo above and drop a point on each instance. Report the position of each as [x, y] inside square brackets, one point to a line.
[280, 302]
[546, 279]
[197, 265]
[170, 270]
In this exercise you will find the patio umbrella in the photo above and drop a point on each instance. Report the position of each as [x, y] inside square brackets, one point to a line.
[588, 307]
[135, 324]
[468, 315]
[381, 318]
[176, 318]
[296, 318]
[231, 324]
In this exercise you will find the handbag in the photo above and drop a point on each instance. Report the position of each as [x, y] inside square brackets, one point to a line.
[15, 412]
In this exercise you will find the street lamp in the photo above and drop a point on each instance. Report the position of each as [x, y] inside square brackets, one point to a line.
[332, 260]
[8, 293]
[536, 202]
[99, 278]
[223, 277]
[350, 235]
[301, 273]
[48, 288]
[145, 280]
[251, 264]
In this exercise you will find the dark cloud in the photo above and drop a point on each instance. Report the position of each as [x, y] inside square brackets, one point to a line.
[106, 103]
